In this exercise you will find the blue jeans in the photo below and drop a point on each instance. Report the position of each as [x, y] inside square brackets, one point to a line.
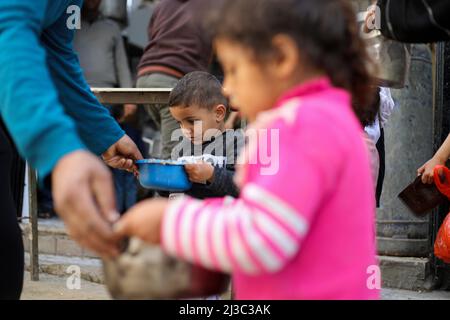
[126, 189]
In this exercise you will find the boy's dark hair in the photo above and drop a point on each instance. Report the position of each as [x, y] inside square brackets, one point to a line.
[198, 88]
[325, 32]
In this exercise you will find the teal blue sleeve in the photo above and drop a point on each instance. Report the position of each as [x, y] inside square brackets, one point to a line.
[96, 127]
[44, 100]
[29, 103]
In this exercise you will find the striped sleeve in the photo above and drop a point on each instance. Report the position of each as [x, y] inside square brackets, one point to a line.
[257, 233]
[262, 230]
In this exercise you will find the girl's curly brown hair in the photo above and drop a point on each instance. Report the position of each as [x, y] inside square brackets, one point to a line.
[325, 31]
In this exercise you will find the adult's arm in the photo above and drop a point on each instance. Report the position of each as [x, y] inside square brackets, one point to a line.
[97, 129]
[29, 103]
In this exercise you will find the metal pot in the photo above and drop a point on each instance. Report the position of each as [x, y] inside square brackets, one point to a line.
[165, 175]
[392, 58]
[145, 272]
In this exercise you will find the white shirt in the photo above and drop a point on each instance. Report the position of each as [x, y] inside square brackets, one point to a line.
[387, 106]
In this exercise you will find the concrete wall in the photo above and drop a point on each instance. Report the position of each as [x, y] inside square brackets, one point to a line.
[409, 144]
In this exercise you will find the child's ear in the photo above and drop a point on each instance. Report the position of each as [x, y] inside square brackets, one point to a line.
[286, 57]
[221, 112]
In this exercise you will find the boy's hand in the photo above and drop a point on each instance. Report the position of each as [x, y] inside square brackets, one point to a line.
[142, 221]
[201, 172]
[427, 170]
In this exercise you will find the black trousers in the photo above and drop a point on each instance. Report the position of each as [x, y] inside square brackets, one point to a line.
[11, 245]
[381, 172]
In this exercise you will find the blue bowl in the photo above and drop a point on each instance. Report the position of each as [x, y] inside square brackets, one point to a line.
[163, 175]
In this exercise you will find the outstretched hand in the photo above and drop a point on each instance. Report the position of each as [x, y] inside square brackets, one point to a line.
[123, 154]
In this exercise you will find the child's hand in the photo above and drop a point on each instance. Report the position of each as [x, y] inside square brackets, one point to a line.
[201, 172]
[427, 170]
[142, 221]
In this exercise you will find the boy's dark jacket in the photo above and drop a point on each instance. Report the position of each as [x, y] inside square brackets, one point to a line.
[222, 152]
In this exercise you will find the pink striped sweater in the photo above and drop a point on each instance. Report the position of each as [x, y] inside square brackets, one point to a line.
[303, 226]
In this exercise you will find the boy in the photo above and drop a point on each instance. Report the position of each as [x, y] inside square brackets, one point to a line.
[198, 105]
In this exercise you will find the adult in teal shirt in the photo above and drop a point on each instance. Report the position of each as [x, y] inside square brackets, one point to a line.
[58, 125]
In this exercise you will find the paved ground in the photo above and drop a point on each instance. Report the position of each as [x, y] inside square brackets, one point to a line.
[395, 294]
[51, 287]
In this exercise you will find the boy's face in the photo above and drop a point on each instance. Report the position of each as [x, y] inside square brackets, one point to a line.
[199, 124]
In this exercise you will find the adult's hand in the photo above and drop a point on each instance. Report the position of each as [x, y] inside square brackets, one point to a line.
[84, 198]
[129, 111]
[439, 158]
[122, 154]
[427, 170]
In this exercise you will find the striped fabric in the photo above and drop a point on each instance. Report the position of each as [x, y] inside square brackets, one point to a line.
[254, 234]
